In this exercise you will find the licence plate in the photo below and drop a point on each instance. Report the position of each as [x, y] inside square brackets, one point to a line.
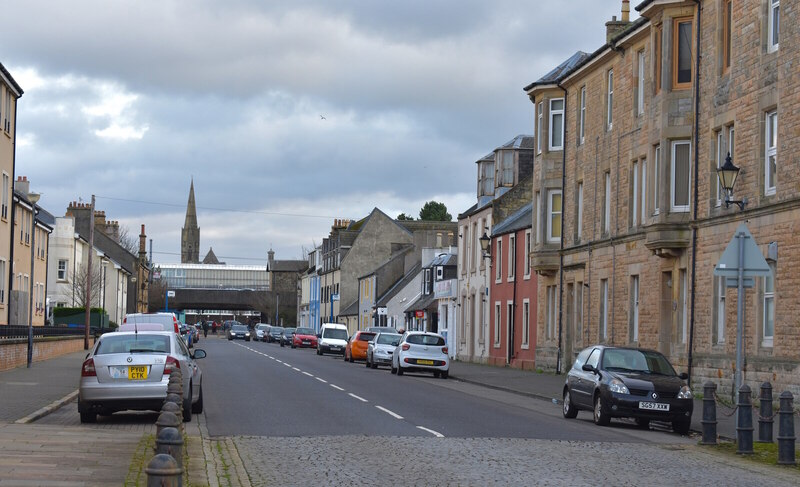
[306, 342]
[335, 348]
[654, 406]
[425, 362]
[137, 372]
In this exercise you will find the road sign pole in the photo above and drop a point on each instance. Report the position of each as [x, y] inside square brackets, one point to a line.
[740, 237]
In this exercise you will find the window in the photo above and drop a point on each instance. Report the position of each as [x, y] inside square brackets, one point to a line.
[539, 121]
[720, 157]
[509, 320]
[727, 18]
[719, 292]
[498, 276]
[582, 117]
[579, 207]
[579, 312]
[603, 310]
[610, 100]
[770, 152]
[497, 317]
[634, 329]
[683, 312]
[4, 204]
[62, 270]
[7, 119]
[682, 53]
[656, 172]
[554, 206]
[607, 203]
[512, 256]
[537, 217]
[488, 179]
[507, 168]
[657, 33]
[2, 282]
[774, 22]
[526, 323]
[680, 181]
[769, 308]
[556, 124]
[528, 248]
[635, 194]
[551, 312]
[474, 246]
[640, 82]
[644, 190]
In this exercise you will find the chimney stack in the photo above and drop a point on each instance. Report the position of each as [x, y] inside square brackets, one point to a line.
[614, 26]
[142, 244]
[626, 10]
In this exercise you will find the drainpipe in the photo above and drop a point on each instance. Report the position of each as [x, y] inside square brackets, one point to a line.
[696, 195]
[559, 358]
[12, 209]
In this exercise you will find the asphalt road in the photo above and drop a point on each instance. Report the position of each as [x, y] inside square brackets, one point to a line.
[261, 389]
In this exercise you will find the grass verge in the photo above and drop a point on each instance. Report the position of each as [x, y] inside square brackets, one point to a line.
[144, 452]
[763, 453]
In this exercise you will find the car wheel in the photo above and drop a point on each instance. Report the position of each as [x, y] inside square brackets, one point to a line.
[351, 358]
[319, 352]
[445, 374]
[399, 370]
[187, 406]
[681, 426]
[88, 416]
[569, 409]
[197, 407]
[373, 365]
[436, 374]
[281, 342]
[394, 369]
[642, 423]
[366, 362]
[601, 417]
[293, 345]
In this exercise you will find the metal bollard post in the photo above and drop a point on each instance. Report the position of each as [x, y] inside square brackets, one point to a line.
[170, 441]
[171, 407]
[744, 422]
[174, 388]
[709, 420]
[163, 471]
[786, 438]
[167, 420]
[765, 419]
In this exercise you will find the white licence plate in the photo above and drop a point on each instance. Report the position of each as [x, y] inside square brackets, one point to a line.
[654, 406]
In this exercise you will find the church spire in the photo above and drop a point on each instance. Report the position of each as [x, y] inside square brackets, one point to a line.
[190, 234]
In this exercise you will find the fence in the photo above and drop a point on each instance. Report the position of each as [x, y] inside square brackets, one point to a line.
[15, 331]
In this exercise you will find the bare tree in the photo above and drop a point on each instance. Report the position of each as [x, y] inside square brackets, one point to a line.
[80, 281]
[127, 241]
[156, 295]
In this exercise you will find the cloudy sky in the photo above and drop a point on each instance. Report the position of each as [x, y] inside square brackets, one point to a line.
[131, 99]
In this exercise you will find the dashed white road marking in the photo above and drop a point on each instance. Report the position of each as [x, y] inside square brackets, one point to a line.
[306, 373]
[288, 365]
[390, 413]
[336, 387]
[321, 380]
[279, 361]
[295, 368]
[357, 397]
[434, 433]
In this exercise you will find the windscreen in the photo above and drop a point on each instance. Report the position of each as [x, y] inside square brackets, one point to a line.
[305, 331]
[431, 340]
[639, 361]
[239, 328]
[276, 329]
[288, 331]
[334, 333]
[135, 343]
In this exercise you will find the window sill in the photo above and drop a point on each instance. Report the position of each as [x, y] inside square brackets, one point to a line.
[526, 277]
[767, 343]
[496, 345]
[525, 346]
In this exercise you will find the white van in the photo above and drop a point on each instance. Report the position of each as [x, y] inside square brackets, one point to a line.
[332, 339]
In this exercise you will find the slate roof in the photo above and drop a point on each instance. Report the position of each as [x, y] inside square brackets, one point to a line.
[560, 71]
[288, 266]
[422, 303]
[399, 285]
[445, 259]
[351, 310]
[519, 220]
[211, 257]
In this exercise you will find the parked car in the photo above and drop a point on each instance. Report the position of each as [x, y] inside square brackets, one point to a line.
[382, 329]
[274, 334]
[615, 382]
[423, 352]
[130, 370]
[381, 348]
[239, 330]
[286, 336]
[304, 337]
[186, 334]
[168, 319]
[261, 332]
[332, 339]
[356, 348]
[198, 330]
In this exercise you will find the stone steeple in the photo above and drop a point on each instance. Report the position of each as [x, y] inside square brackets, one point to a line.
[190, 234]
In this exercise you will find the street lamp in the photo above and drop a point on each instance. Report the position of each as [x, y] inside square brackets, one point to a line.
[727, 175]
[33, 198]
[485, 241]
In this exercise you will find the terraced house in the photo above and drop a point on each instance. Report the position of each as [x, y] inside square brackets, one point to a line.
[629, 215]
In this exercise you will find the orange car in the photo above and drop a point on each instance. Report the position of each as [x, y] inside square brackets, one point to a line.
[356, 348]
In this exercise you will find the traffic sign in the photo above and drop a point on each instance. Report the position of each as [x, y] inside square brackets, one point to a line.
[170, 294]
[753, 262]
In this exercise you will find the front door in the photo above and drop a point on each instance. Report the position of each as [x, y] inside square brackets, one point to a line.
[667, 311]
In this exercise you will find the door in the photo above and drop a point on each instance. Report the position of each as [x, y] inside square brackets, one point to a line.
[667, 311]
[583, 389]
[509, 332]
[566, 357]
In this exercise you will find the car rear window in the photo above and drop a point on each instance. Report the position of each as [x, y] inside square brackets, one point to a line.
[365, 336]
[431, 340]
[138, 343]
[388, 339]
[276, 329]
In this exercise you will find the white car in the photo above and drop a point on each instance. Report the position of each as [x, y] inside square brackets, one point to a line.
[332, 339]
[130, 370]
[381, 348]
[421, 351]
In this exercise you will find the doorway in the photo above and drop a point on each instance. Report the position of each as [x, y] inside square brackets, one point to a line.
[667, 312]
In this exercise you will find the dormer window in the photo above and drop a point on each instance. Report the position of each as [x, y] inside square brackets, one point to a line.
[487, 178]
[505, 171]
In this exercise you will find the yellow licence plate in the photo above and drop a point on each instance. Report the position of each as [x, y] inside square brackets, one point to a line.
[425, 362]
[137, 372]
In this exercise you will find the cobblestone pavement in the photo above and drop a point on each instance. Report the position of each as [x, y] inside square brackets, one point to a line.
[360, 460]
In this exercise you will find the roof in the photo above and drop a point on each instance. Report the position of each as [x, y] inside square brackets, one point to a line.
[211, 258]
[444, 259]
[4, 74]
[287, 265]
[519, 142]
[422, 303]
[399, 285]
[642, 5]
[351, 310]
[519, 220]
[555, 75]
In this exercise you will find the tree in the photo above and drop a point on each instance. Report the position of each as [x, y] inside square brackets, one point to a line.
[128, 241]
[404, 217]
[80, 281]
[435, 211]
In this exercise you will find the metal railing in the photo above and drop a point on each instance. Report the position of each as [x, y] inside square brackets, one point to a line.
[15, 331]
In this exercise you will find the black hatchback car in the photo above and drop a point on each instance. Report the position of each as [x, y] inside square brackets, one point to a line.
[615, 382]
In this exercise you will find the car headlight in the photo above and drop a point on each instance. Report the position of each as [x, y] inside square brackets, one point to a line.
[618, 386]
[247, 334]
[685, 393]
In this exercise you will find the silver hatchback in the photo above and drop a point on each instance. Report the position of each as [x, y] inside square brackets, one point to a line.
[130, 370]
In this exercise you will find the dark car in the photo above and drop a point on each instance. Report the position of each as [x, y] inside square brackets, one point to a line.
[286, 336]
[615, 382]
[274, 334]
[239, 330]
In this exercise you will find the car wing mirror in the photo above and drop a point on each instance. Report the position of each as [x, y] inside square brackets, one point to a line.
[684, 376]
[199, 353]
[588, 368]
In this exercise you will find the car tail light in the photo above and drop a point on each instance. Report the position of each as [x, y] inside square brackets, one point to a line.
[172, 364]
[444, 350]
[88, 369]
[175, 323]
[405, 346]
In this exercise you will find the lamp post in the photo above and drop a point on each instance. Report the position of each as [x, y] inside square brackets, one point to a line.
[485, 241]
[727, 175]
[33, 198]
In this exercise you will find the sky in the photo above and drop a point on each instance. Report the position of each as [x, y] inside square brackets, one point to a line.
[286, 115]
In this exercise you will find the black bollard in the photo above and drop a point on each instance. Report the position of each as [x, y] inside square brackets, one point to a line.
[170, 441]
[171, 407]
[765, 414]
[167, 420]
[786, 438]
[744, 422]
[163, 471]
[709, 420]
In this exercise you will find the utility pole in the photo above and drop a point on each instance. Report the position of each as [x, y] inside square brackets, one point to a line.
[88, 319]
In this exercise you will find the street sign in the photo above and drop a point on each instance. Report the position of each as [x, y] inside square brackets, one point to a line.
[335, 297]
[170, 294]
[734, 282]
[754, 263]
